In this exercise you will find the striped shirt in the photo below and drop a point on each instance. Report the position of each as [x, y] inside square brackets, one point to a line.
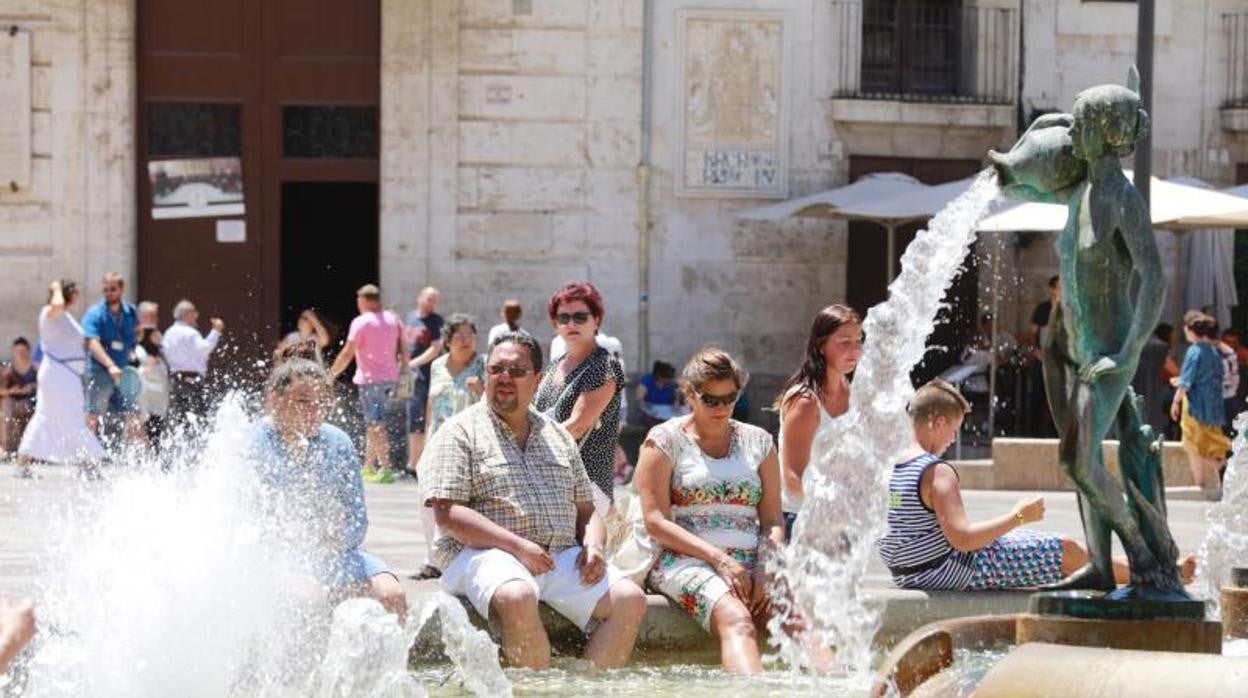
[915, 548]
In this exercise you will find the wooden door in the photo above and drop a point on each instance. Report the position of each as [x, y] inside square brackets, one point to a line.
[288, 87]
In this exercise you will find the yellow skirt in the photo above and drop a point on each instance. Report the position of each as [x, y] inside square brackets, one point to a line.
[1207, 439]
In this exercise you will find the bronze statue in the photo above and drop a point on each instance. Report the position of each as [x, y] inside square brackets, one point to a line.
[1096, 332]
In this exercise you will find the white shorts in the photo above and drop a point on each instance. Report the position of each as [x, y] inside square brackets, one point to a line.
[477, 574]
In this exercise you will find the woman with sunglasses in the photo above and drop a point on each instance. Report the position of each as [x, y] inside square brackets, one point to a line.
[456, 380]
[710, 497]
[582, 388]
[814, 398]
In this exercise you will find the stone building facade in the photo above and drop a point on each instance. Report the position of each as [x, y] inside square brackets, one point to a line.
[527, 142]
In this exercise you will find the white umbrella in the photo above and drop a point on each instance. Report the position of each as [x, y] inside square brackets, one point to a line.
[839, 202]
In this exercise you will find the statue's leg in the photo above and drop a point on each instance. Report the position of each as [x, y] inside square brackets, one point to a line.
[1139, 460]
[1098, 573]
[1096, 408]
[1060, 383]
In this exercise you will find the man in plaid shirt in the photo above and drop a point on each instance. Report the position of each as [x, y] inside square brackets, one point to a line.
[516, 520]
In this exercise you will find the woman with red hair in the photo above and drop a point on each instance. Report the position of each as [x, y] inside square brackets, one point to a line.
[582, 388]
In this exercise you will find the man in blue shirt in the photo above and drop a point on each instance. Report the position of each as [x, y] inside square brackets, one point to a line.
[111, 330]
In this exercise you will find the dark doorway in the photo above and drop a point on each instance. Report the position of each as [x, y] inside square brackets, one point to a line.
[329, 249]
[1239, 314]
[867, 250]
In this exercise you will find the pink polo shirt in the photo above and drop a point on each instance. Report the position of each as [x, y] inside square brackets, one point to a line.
[376, 337]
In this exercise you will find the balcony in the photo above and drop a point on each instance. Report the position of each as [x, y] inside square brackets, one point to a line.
[1235, 103]
[949, 63]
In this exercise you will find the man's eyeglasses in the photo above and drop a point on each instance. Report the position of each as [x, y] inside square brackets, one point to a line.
[514, 370]
[580, 317]
[718, 400]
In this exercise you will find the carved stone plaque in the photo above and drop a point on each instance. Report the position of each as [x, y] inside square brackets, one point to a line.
[14, 110]
[733, 135]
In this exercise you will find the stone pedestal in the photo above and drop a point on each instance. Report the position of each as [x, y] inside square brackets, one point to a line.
[1235, 612]
[1193, 636]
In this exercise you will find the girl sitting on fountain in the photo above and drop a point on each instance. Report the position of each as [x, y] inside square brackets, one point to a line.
[314, 469]
[931, 544]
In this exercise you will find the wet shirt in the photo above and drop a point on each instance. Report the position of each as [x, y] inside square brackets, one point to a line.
[318, 486]
[532, 491]
[1201, 377]
[118, 333]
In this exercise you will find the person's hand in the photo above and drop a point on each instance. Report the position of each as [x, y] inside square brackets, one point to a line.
[1105, 365]
[17, 622]
[54, 286]
[1176, 410]
[736, 575]
[760, 596]
[591, 563]
[1174, 382]
[1030, 509]
[534, 558]
[217, 324]
[114, 372]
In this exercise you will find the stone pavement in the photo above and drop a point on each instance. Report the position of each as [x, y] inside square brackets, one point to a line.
[29, 509]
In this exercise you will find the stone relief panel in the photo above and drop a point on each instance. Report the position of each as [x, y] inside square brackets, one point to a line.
[733, 128]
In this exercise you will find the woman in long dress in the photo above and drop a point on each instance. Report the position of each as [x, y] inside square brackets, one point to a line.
[58, 432]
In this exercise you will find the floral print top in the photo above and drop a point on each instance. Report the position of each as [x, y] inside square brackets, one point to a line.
[449, 395]
[715, 498]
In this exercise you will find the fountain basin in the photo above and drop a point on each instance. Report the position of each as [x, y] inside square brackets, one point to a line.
[1041, 669]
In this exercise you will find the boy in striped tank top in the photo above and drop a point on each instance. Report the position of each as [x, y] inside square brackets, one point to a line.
[931, 544]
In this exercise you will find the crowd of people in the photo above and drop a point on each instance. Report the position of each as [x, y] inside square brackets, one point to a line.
[517, 458]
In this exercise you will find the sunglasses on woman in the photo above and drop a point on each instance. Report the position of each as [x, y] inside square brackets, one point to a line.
[580, 317]
[718, 400]
[514, 370]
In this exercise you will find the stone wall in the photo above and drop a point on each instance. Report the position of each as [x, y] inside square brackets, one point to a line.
[76, 217]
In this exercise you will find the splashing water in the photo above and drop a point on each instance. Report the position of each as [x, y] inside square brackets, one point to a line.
[820, 573]
[188, 583]
[1226, 540]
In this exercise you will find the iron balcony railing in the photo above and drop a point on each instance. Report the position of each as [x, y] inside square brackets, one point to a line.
[926, 51]
[1236, 25]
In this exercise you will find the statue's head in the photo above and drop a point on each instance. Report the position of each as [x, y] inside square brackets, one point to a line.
[1108, 120]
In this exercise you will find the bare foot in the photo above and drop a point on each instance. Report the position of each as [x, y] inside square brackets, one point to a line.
[1187, 568]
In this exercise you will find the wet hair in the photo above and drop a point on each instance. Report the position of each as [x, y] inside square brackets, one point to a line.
[1200, 324]
[511, 313]
[1054, 281]
[811, 375]
[149, 344]
[1231, 333]
[453, 323]
[525, 340]
[1164, 332]
[21, 342]
[709, 364]
[936, 398]
[662, 369]
[571, 292]
[304, 348]
[286, 373]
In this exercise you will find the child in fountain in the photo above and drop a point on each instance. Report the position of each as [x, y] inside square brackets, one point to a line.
[315, 473]
[931, 544]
